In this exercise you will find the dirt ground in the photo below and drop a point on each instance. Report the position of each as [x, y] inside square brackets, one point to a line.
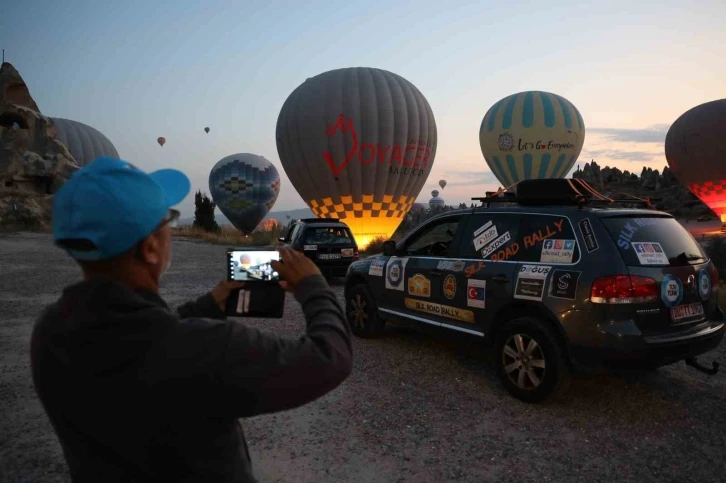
[418, 407]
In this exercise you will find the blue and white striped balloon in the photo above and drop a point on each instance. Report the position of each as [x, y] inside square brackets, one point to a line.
[531, 135]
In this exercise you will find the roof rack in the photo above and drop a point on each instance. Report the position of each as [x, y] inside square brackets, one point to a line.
[559, 191]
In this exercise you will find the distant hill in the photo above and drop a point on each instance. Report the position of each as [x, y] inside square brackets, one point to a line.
[280, 216]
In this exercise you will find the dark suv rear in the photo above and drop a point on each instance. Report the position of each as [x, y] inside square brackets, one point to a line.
[553, 287]
[329, 243]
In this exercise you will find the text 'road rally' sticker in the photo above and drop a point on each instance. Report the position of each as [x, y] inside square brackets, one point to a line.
[704, 284]
[476, 293]
[588, 235]
[493, 246]
[484, 238]
[419, 286]
[395, 273]
[650, 253]
[440, 310]
[557, 251]
[564, 284]
[671, 290]
[531, 282]
[376, 268]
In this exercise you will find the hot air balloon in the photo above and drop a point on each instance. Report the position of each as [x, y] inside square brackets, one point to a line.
[436, 202]
[84, 142]
[244, 187]
[161, 141]
[695, 148]
[531, 135]
[442, 183]
[206, 130]
[358, 145]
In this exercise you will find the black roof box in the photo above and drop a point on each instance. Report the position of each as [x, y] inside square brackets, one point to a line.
[558, 191]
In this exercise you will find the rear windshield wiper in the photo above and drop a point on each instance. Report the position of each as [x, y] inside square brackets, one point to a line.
[683, 258]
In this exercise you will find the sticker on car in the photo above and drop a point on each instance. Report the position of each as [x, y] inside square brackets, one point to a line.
[671, 290]
[588, 235]
[650, 253]
[419, 286]
[557, 251]
[449, 287]
[485, 238]
[476, 293]
[482, 228]
[311, 248]
[440, 310]
[493, 246]
[395, 273]
[531, 282]
[704, 284]
[376, 268]
[563, 284]
[347, 252]
[452, 266]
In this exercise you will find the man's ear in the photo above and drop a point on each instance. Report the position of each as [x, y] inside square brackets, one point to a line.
[150, 249]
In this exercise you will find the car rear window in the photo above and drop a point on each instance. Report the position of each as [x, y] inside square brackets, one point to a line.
[326, 235]
[653, 240]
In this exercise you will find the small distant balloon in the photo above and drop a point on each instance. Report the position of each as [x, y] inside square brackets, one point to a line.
[161, 141]
[206, 129]
[442, 183]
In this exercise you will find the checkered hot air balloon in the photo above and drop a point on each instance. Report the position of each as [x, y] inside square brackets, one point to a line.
[358, 144]
[244, 187]
[531, 135]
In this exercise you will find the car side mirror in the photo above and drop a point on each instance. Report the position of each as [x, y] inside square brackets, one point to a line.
[389, 248]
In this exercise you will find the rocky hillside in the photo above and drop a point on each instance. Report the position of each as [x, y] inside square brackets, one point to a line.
[662, 188]
[33, 162]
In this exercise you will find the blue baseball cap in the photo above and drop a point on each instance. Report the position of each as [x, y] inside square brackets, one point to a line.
[111, 205]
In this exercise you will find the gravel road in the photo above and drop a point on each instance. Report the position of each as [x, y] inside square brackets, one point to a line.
[418, 407]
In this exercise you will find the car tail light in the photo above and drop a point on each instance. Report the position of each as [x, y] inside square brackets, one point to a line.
[355, 254]
[714, 276]
[623, 289]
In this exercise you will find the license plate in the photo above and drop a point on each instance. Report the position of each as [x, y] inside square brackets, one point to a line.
[328, 256]
[686, 311]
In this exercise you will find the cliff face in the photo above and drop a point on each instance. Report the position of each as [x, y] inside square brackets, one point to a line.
[33, 162]
[664, 189]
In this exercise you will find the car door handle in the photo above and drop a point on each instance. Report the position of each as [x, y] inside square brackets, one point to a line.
[500, 278]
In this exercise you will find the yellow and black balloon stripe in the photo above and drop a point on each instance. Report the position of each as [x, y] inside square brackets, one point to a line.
[365, 207]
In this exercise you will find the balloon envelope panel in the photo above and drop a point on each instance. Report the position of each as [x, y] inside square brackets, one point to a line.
[695, 148]
[531, 135]
[244, 187]
[358, 144]
[84, 142]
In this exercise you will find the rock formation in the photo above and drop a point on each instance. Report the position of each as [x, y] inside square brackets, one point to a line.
[33, 162]
[664, 189]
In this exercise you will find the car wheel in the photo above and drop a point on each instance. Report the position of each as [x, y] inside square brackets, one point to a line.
[362, 312]
[530, 360]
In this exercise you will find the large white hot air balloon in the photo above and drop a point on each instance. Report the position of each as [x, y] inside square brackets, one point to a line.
[358, 144]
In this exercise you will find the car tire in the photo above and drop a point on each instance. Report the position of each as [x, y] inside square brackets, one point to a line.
[362, 312]
[531, 373]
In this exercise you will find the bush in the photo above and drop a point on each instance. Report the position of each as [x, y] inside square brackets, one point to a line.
[716, 250]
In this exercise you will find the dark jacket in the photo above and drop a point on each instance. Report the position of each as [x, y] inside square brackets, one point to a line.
[139, 393]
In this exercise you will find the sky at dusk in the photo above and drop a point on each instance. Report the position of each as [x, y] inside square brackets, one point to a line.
[138, 70]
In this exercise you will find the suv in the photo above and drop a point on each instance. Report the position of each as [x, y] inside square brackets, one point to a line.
[554, 285]
[328, 242]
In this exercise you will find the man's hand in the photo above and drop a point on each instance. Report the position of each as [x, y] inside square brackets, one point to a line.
[294, 268]
[221, 292]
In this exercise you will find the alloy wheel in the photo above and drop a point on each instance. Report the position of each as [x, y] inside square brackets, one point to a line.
[523, 361]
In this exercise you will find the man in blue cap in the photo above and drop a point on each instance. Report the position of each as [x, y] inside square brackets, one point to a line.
[137, 392]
